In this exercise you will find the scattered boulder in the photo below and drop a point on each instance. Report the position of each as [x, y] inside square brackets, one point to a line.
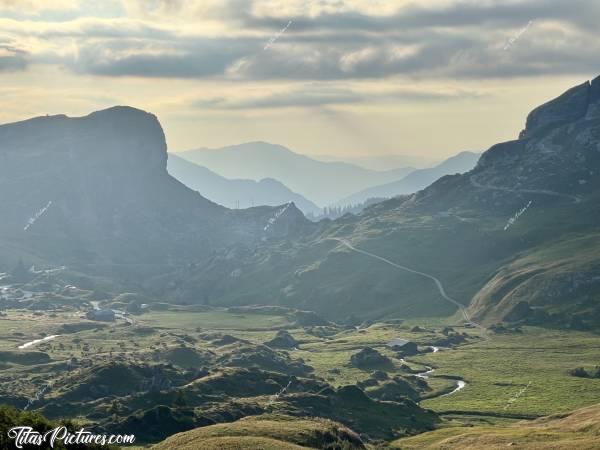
[403, 347]
[369, 357]
[450, 340]
[282, 339]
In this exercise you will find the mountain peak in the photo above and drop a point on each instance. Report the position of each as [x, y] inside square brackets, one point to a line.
[576, 103]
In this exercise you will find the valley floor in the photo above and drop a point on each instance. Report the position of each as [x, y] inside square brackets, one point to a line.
[509, 377]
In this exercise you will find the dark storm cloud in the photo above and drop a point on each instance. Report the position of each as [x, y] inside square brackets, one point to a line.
[190, 59]
[463, 40]
[582, 13]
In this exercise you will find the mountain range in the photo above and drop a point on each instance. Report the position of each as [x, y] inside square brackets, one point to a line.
[382, 162]
[236, 193]
[416, 180]
[514, 239]
[323, 183]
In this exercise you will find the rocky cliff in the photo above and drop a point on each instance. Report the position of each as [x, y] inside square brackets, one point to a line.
[94, 192]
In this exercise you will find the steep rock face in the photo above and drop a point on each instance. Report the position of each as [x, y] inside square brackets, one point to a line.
[109, 143]
[557, 158]
[570, 106]
[95, 191]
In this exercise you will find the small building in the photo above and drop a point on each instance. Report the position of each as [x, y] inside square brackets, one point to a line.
[102, 315]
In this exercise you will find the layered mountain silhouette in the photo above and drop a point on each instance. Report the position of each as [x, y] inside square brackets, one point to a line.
[323, 183]
[416, 180]
[517, 238]
[236, 193]
[94, 192]
[382, 162]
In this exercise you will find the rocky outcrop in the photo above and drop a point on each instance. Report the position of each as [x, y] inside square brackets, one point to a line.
[282, 339]
[97, 188]
[369, 357]
[570, 106]
[579, 102]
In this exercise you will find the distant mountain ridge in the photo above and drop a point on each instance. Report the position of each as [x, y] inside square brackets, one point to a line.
[381, 162]
[416, 180]
[99, 195]
[323, 183]
[235, 193]
[543, 269]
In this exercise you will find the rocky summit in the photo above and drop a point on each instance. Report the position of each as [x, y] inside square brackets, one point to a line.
[93, 193]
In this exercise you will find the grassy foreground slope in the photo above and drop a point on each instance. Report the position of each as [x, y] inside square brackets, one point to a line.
[269, 432]
[535, 362]
[533, 288]
[577, 430]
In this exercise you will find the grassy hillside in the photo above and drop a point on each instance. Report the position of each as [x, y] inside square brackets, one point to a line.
[576, 430]
[536, 360]
[559, 282]
[268, 432]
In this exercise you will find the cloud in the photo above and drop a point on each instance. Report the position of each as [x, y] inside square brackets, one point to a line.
[317, 96]
[190, 10]
[196, 58]
[343, 40]
[12, 59]
[37, 6]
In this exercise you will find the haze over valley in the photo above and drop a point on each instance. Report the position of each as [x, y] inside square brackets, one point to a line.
[217, 232]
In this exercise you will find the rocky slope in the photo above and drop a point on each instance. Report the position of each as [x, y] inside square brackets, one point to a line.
[504, 233]
[415, 181]
[93, 192]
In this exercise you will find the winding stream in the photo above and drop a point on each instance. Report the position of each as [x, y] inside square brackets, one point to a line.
[460, 384]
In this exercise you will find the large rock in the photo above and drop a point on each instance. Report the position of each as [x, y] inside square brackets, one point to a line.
[282, 339]
[570, 106]
[369, 357]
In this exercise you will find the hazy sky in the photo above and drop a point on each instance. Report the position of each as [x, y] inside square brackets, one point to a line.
[320, 76]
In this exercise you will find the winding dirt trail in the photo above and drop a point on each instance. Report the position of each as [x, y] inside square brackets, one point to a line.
[477, 184]
[437, 282]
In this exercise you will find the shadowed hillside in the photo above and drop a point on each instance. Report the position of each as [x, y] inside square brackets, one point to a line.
[524, 210]
[236, 193]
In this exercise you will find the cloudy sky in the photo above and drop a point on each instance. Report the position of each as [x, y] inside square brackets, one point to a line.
[338, 77]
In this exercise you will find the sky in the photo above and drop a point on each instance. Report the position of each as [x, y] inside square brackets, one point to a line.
[322, 77]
